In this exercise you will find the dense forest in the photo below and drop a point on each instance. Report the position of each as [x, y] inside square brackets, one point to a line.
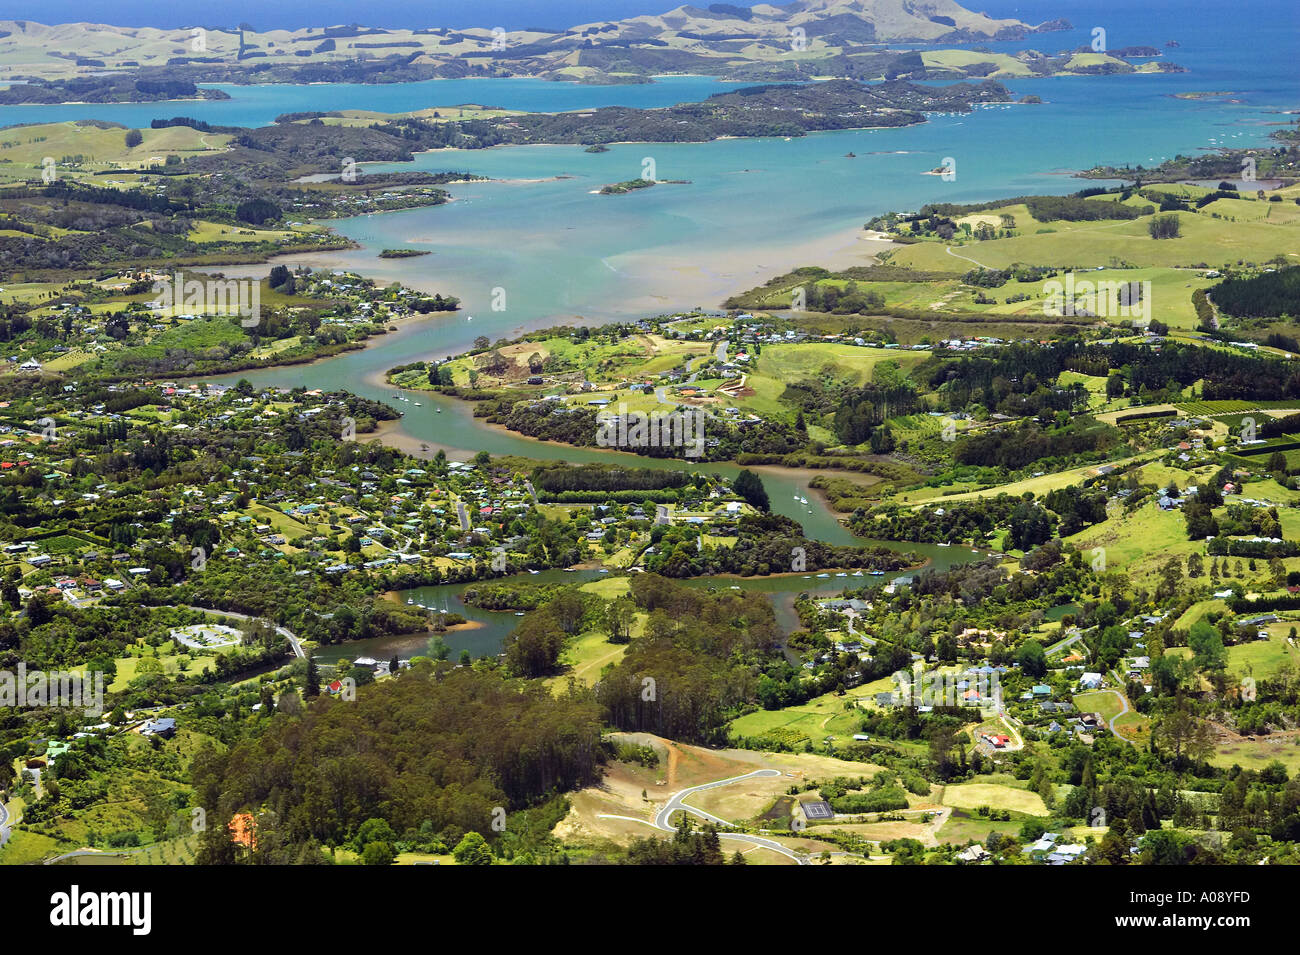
[1268, 295]
[145, 87]
[560, 477]
[696, 664]
[578, 426]
[432, 753]
[1064, 511]
[1020, 369]
[1017, 446]
[765, 544]
[1074, 208]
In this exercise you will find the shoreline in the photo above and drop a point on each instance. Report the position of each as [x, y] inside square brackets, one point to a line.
[691, 282]
[394, 596]
[404, 326]
[390, 434]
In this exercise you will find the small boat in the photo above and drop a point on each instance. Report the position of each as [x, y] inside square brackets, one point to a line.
[410, 600]
[439, 410]
[534, 571]
[944, 544]
[603, 570]
[841, 575]
[519, 613]
[733, 587]
[856, 573]
[876, 573]
[820, 576]
[416, 403]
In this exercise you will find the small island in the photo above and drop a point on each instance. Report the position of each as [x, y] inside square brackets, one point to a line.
[623, 188]
[631, 185]
[403, 253]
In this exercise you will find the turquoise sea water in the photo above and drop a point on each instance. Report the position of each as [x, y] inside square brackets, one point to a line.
[258, 105]
[562, 254]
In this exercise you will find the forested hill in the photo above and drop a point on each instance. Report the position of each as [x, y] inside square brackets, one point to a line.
[769, 110]
[441, 750]
[772, 110]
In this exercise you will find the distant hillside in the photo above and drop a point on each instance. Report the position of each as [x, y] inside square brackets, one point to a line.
[802, 39]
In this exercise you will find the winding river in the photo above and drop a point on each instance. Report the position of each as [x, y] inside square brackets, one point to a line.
[752, 209]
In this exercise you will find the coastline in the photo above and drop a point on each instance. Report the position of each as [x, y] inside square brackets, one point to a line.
[395, 597]
[404, 326]
[659, 283]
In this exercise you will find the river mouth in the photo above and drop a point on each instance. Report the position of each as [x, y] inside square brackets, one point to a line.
[753, 209]
[559, 255]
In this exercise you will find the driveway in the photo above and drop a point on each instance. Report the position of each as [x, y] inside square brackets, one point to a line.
[663, 818]
[1123, 702]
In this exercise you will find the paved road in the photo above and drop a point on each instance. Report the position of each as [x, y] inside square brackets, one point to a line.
[966, 257]
[852, 616]
[1123, 700]
[663, 818]
[4, 824]
[106, 853]
[676, 802]
[1061, 645]
[287, 634]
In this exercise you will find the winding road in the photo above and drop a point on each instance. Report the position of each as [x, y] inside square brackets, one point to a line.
[664, 815]
[663, 818]
[287, 634]
[966, 258]
[1062, 644]
[104, 853]
[1123, 702]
